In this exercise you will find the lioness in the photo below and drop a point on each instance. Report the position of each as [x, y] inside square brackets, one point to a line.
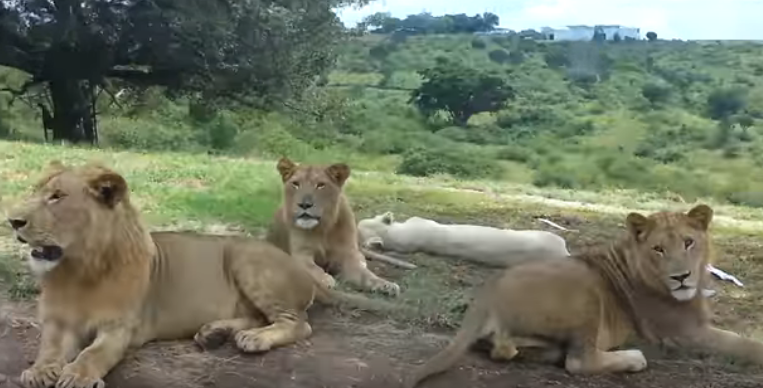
[480, 244]
[316, 225]
[108, 284]
[579, 309]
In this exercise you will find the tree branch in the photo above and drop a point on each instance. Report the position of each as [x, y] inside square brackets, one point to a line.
[15, 93]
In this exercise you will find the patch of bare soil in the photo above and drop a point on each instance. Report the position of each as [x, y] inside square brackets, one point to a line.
[346, 353]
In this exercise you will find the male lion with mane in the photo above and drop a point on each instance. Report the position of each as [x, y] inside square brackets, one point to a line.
[579, 309]
[109, 285]
[316, 225]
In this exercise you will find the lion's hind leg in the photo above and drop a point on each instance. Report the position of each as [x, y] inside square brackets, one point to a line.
[215, 334]
[282, 295]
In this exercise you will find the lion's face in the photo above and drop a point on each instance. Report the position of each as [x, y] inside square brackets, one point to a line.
[676, 246]
[311, 193]
[371, 230]
[63, 209]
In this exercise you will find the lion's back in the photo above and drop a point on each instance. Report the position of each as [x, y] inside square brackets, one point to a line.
[554, 298]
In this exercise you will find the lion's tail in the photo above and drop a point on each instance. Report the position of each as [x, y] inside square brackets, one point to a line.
[470, 331]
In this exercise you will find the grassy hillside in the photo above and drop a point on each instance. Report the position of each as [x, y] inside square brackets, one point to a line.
[580, 119]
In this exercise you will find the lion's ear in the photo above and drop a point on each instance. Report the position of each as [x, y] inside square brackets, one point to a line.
[702, 214]
[55, 166]
[637, 225]
[387, 218]
[286, 168]
[339, 172]
[108, 187]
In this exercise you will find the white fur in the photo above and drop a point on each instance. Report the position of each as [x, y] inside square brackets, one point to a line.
[40, 267]
[684, 294]
[306, 223]
[482, 244]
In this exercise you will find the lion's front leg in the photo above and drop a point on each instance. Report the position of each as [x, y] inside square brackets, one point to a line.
[96, 360]
[353, 269]
[57, 347]
[306, 255]
[726, 343]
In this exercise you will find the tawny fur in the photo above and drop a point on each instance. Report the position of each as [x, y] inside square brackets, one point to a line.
[480, 244]
[115, 286]
[577, 310]
[316, 225]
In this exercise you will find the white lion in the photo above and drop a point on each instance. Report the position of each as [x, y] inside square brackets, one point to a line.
[481, 244]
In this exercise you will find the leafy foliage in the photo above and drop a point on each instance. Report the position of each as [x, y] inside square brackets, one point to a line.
[461, 91]
[425, 23]
[258, 52]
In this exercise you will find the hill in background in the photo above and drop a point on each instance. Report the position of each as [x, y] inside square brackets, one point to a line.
[681, 117]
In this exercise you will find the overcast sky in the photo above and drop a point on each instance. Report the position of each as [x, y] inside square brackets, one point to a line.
[683, 19]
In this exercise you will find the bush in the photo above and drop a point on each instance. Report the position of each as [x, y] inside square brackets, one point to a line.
[656, 93]
[499, 56]
[724, 102]
[453, 133]
[422, 161]
[516, 154]
[478, 43]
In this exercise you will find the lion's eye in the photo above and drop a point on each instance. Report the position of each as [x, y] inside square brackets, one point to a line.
[56, 196]
[658, 249]
[295, 184]
[320, 185]
[688, 242]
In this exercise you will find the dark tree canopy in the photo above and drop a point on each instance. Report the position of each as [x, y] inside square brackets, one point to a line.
[460, 91]
[651, 35]
[253, 51]
[425, 23]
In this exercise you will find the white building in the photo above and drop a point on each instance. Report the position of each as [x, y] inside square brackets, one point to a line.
[587, 32]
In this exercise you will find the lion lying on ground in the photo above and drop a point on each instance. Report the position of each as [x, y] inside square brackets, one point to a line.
[316, 225]
[480, 244]
[108, 284]
[646, 284]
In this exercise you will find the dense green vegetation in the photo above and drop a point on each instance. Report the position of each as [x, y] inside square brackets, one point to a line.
[675, 116]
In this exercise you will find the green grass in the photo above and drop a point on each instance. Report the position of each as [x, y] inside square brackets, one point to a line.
[202, 192]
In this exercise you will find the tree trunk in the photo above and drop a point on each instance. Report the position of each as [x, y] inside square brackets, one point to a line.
[73, 111]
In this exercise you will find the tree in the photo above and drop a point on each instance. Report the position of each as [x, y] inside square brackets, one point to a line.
[254, 52]
[651, 35]
[460, 91]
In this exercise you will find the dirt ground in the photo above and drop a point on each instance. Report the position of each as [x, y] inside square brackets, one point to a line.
[350, 349]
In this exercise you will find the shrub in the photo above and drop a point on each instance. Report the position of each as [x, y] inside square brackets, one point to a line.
[453, 133]
[422, 161]
[516, 154]
[499, 56]
[478, 43]
[724, 102]
[656, 93]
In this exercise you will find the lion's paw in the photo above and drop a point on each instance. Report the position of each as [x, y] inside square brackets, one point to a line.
[387, 287]
[76, 376]
[254, 341]
[210, 337]
[41, 376]
[634, 360]
[327, 280]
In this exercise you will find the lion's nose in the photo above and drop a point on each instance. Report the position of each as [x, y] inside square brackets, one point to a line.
[680, 278]
[17, 223]
[305, 205]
